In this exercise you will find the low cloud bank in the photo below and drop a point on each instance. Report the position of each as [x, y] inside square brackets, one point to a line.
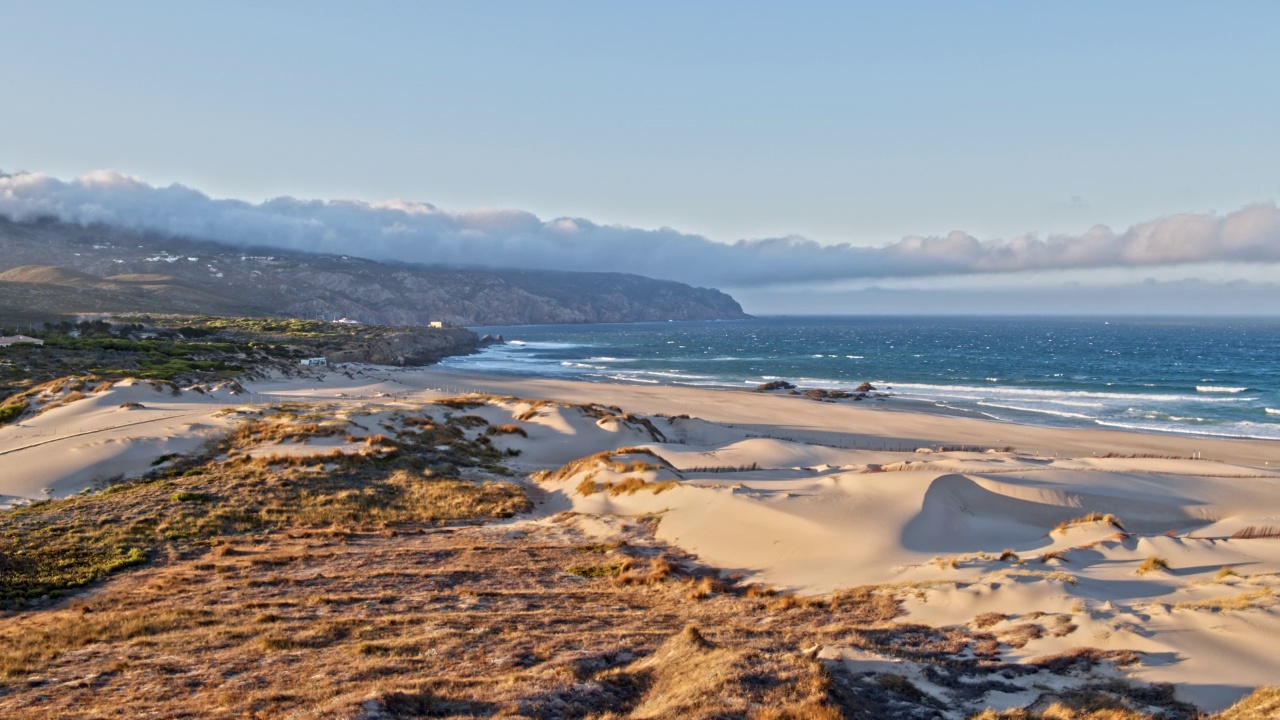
[419, 232]
[1190, 297]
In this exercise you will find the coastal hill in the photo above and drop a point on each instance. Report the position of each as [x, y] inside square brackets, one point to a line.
[55, 266]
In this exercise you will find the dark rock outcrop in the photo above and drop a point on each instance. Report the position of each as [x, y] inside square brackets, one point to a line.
[408, 347]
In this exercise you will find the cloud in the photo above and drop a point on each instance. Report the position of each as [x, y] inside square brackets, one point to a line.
[1145, 297]
[420, 232]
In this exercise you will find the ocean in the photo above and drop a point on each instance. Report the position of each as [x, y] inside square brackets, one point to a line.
[1204, 377]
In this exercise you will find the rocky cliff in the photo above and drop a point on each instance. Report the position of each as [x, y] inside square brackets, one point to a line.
[408, 347]
[329, 286]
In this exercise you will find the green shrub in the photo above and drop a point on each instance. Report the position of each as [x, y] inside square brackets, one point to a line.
[10, 412]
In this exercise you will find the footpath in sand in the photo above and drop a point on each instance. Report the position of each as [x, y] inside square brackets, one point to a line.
[1049, 539]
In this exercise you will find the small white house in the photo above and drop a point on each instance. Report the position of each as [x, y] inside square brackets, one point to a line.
[436, 324]
[8, 340]
[314, 361]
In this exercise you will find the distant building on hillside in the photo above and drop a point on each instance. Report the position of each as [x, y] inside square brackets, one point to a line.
[314, 361]
[437, 324]
[7, 340]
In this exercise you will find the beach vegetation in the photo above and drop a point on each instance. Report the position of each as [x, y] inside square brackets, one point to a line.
[633, 484]
[466, 402]
[658, 570]
[1060, 555]
[703, 587]
[943, 563]
[1226, 572]
[600, 548]
[1062, 626]
[1092, 517]
[613, 569]
[507, 429]
[1019, 635]
[1057, 575]
[986, 620]
[188, 496]
[608, 461]
[901, 685]
[1242, 601]
[1261, 704]
[534, 409]
[188, 502]
[1153, 563]
[470, 421]
[12, 411]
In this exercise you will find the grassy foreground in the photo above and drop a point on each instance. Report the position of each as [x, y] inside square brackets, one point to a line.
[367, 573]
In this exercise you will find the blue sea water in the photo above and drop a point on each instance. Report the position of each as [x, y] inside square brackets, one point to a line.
[1206, 377]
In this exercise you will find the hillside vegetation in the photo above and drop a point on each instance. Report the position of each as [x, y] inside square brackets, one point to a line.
[192, 349]
[55, 267]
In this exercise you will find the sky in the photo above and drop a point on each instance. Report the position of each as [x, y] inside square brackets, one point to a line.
[798, 155]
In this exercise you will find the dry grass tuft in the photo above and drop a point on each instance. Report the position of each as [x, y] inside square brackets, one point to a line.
[1154, 563]
[608, 460]
[1019, 635]
[659, 570]
[1243, 601]
[1008, 555]
[1060, 555]
[986, 620]
[704, 587]
[1093, 517]
[1261, 704]
[631, 485]
[508, 429]
[470, 421]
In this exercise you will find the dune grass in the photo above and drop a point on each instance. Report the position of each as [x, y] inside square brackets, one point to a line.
[1242, 601]
[1092, 517]
[50, 547]
[1154, 563]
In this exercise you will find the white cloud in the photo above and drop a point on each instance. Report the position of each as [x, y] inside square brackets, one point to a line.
[421, 232]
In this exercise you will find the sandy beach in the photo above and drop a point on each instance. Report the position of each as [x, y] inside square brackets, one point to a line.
[1052, 539]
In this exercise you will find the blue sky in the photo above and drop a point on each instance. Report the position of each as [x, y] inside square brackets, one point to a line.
[840, 122]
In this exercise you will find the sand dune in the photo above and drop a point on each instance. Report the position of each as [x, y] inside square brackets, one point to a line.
[813, 497]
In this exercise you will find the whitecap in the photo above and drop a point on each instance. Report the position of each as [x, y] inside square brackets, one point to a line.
[1043, 411]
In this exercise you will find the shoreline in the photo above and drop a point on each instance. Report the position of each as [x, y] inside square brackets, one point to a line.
[921, 405]
[934, 426]
[1190, 380]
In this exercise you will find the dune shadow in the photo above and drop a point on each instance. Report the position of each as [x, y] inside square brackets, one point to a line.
[975, 513]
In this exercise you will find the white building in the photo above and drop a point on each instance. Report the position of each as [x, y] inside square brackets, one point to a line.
[314, 361]
[7, 340]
